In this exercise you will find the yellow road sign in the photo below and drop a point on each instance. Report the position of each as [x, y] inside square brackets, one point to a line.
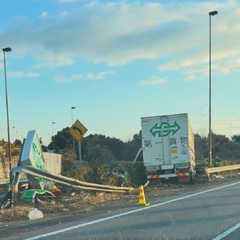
[78, 130]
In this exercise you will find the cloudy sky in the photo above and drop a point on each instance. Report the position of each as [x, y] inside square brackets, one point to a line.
[118, 61]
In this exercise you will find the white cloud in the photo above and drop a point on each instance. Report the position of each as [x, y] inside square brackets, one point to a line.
[119, 32]
[67, 79]
[193, 60]
[99, 75]
[98, 32]
[52, 62]
[44, 14]
[23, 74]
[154, 80]
[76, 77]
[226, 126]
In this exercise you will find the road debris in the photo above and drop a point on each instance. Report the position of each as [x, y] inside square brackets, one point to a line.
[35, 214]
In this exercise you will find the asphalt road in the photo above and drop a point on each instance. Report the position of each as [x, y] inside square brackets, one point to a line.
[209, 213]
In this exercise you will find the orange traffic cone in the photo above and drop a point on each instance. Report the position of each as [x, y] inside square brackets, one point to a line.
[142, 199]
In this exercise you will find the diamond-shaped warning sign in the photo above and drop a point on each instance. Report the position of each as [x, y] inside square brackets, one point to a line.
[78, 130]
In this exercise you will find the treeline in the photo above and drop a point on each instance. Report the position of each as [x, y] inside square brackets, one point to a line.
[103, 149]
[222, 147]
[95, 148]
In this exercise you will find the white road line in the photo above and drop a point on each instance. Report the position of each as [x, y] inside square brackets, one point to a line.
[127, 213]
[230, 230]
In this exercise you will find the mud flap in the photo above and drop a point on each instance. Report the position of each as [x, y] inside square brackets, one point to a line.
[184, 179]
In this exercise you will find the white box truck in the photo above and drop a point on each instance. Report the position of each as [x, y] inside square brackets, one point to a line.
[168, 147]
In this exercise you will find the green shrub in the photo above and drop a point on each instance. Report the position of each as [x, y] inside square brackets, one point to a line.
[91, 173]
[136, 173]
[227, 163]
[97, 173]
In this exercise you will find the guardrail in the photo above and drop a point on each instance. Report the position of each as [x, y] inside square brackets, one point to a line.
[71, 182]
[6, 181]
[222, 169]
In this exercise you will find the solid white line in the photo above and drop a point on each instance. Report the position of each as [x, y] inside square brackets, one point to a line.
[127, 213]
[230, 230]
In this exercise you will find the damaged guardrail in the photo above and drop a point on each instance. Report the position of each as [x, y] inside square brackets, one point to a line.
[32, 163]
[74, 183]
[12, 195]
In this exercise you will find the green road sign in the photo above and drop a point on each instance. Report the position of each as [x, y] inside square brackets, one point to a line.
[164, 129]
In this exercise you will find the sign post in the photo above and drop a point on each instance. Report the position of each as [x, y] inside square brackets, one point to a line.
[77, 131]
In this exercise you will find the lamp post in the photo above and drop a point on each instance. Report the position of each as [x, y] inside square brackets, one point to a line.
[7, 49]
[213, 13]
[53, 136]
[72, 112]
[13, 134]
[74, 152]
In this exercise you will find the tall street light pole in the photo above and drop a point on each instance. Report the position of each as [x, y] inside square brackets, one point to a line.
[74, 152]
[213, 13]
[53, 136]
[7, 49]
[13, 134]
[72, 112]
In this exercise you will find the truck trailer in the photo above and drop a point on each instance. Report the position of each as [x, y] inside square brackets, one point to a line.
[168, 147]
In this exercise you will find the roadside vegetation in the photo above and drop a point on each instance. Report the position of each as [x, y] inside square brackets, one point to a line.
[103, 155]
[130, 175]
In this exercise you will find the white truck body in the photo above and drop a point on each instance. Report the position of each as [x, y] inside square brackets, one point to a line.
[168, 147]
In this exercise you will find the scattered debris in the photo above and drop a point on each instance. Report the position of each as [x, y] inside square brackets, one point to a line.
[36, 196]
[88, 201]
[146, 184]
[35, 214]
[217, 176]
[7, 200]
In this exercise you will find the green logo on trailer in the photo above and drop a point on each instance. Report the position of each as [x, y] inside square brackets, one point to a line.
[164, 129]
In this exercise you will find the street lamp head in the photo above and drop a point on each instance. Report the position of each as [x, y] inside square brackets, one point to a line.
[213, 13]
[7, 49]
[73, 107]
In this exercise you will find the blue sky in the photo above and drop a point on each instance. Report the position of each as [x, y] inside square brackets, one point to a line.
[118, 61]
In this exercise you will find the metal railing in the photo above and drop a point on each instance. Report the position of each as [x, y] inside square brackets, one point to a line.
[6, 181]
[222, 169]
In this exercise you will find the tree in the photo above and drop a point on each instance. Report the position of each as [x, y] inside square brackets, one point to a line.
[236, 138]
[63, 140]
[17, 143]
[220, 147]
[132, 147]
[102, 148]
[201, 147]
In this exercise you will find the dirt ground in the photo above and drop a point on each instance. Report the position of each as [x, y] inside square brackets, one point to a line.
[89, 201]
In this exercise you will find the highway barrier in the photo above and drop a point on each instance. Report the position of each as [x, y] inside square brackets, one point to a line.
[222, 169]
[74, 183]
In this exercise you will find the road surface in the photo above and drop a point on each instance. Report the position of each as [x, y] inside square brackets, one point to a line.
[209, 213]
